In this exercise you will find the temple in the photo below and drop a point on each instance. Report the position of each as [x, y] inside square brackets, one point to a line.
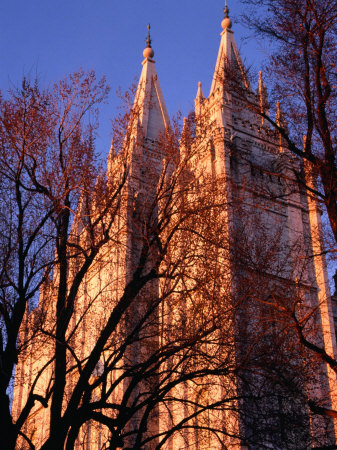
[259, 251]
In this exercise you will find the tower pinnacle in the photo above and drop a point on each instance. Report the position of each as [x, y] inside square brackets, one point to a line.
[148, 52]
[226, 23]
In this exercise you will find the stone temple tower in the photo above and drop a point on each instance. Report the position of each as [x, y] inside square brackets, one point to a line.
[270, 218]
[269, 230]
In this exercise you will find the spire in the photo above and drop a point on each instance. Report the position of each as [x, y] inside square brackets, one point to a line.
[228, 56]
[282, 123]
[185, 132]
[111, 158]
[148, 52]
[199, 99]
[262, 96]
[200, 95]
[280, 120]
[226, 23]
[149, 105]
[148, 40]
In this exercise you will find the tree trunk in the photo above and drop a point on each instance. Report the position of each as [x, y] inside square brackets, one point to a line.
[8, 430]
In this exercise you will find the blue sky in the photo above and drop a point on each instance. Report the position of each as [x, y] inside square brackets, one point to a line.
[51, 38]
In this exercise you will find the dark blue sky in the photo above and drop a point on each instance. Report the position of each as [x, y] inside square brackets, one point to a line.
[52, 38]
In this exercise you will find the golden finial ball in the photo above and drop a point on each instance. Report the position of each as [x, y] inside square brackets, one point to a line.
[226, 23]
[148, 53]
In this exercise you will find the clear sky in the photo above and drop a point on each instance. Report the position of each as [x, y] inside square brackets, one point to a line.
[51, 38]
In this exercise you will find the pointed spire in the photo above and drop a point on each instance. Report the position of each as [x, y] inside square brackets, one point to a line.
[226, 10]
[228, 57]
[152, 117]
[280, 120]
[262, 96]
[199, 99]
[185, 131]
[148, 40]
[148, 52]
[226, 23]
[262, 90]
[200, 95]
[282, 123]
[112, 152]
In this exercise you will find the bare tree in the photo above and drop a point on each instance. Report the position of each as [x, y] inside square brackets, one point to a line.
[133, 336]
[131, 330]
[59, 224]
[47, 165]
